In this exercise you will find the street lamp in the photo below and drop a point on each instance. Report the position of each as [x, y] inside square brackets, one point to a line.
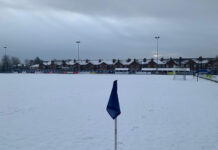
[5, 50]
[78, 42]
[5, 47]
[157, 37]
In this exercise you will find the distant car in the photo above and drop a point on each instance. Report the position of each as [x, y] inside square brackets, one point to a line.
[17, 71]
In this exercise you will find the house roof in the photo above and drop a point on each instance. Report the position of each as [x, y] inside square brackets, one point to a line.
[58, 62]
[159, 62]
[70, 62]
[124, 62]
[95, 62]
[184, 62]
[109, 62]
[47, 63]
[200, 62]
[35, 66]
[141, 61]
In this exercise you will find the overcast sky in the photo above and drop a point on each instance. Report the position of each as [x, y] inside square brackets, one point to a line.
[108, 28]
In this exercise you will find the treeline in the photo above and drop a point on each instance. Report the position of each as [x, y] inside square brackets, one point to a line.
[9, 64]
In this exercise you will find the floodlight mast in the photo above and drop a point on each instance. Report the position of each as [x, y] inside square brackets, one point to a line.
[5, 47]
[157, 37]
[78, 42]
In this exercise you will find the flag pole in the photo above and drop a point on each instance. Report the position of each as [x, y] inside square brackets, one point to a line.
[113, 108]
[115, 131]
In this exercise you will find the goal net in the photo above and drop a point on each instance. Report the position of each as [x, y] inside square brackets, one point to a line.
[180, 73]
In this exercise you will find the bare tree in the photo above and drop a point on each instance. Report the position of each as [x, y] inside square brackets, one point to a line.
[216, 64]
[28, 62]
[15, 61]
[6, 63]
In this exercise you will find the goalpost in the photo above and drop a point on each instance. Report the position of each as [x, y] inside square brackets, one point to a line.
[180, 73]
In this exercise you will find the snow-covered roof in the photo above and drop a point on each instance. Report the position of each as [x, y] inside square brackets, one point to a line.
[82, 62]
[159, 62]
[204, 61]
[95, 62]
[200, 62]
[70, 62]
[47, 63]
[144, 62]
[109, 62]
[35, 66]
[184, 62]
[58, 62]
[124, 62]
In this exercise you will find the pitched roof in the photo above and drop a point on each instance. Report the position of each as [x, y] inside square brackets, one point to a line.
[159, 62]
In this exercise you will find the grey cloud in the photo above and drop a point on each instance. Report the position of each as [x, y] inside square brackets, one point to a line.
[108, 29]
[125, 8]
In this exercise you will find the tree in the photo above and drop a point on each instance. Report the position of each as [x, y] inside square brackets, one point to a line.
[162, 59]
[128, 60]
[216, 64]
[6, 63]
[37, 60]
[15, 61]
[0, 66]
[200, 58]
[27, 62]
[180, 61]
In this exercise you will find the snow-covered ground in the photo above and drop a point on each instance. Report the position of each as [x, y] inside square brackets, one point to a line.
[68, 112]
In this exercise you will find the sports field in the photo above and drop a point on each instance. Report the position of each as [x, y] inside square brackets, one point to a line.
[68, 112]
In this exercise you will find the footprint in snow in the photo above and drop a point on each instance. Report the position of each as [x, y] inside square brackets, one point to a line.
[88, 138]
[134, 128]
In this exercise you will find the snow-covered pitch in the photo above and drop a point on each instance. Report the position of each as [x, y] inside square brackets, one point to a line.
[68, 112]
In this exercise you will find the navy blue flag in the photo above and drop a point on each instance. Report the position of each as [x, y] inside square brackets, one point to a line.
[113, 106]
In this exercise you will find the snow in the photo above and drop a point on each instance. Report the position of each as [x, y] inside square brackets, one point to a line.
[200, 62]
[70, 62]
[144, 62]
[109, 62]
[159, 62]
[68, 112]
[149, 69]
[121, 69]
[35, 66]
[124, 62]
[47, 63]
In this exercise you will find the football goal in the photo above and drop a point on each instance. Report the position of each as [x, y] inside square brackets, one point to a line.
[180, 73]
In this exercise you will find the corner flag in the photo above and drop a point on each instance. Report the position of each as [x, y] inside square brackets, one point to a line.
[113, 106]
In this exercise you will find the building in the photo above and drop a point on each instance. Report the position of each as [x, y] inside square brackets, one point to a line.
[133, 65]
